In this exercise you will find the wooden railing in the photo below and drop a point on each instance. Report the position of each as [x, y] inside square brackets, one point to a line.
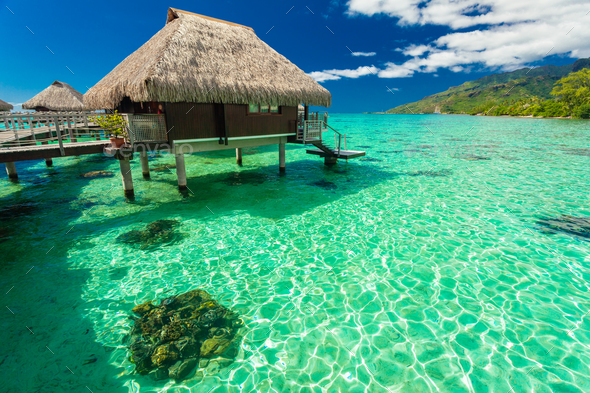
[29, 129]
[312, 132]
[320, 116]
[22, 121]
[42, 128]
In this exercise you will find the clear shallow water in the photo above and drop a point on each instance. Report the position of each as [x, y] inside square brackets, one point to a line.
[418, 269]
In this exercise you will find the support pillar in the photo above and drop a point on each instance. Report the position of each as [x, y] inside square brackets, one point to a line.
[48, 161]
[180, 171]
[281, 157]
[239, 155]
[329, 161]
[145, 165]
[11, 171]
[125, 165]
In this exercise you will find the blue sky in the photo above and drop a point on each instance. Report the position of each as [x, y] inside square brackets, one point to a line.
[412, 48]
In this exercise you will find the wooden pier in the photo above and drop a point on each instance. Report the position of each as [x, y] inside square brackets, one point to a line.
[49, 135]
[50, 151]
[53, 135]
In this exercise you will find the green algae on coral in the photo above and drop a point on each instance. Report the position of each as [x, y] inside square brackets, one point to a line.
[577, 226]
[168, 340]
[155, 234]
[95, 174]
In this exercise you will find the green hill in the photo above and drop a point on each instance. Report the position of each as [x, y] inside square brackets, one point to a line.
[506, 88]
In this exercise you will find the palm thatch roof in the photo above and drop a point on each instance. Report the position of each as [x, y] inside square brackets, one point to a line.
[59, 96]
[5, 106]
[195, 58]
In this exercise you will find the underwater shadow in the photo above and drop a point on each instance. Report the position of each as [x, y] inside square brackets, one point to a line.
[264, 192]
[49, 344]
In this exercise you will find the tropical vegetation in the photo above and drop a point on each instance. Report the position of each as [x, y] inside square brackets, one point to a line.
[114, 124]
[547, 91]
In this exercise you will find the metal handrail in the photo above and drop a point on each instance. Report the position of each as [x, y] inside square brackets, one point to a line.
[339, 137]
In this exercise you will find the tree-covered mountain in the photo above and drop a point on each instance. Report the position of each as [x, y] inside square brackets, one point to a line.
[494, 89]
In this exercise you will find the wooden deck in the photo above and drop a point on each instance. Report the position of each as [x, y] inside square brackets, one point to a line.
[37, 152]
[346, 154]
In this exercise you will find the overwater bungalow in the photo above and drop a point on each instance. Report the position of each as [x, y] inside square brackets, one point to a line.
[204, 84]
[59, 96]
[5, 106]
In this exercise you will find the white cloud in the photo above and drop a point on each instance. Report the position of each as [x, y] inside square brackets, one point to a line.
[321, 76]
[510, 34]
[415, 50]
[459, 14]
[326, 75]
[397, 71]
[406, 8]
[365, 54]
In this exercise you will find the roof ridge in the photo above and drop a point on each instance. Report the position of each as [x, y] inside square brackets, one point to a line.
[172, 14]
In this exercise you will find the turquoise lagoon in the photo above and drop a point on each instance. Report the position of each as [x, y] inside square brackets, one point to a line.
[420, 268]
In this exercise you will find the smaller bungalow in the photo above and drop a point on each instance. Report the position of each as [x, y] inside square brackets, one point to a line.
[5, 106]
[59, 96]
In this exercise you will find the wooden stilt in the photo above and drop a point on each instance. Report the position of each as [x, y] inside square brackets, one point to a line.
[145, 165]
[239, 155]
[48, 161]
[125, 165]
[329, 161]
[11, 171]
[180, 171]
[281, 157]
[59, 139]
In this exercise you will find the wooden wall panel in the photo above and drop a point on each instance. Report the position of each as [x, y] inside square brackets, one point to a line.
[240, 123]
[187, 120]
[193, 121]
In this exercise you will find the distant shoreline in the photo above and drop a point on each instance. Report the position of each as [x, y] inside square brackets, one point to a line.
[478, 115]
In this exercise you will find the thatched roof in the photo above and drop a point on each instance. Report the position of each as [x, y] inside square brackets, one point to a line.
[58, 96]
[5, 106]
[195, 58]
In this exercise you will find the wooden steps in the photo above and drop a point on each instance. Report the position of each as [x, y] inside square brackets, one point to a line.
[346, 154]
[323, 149]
